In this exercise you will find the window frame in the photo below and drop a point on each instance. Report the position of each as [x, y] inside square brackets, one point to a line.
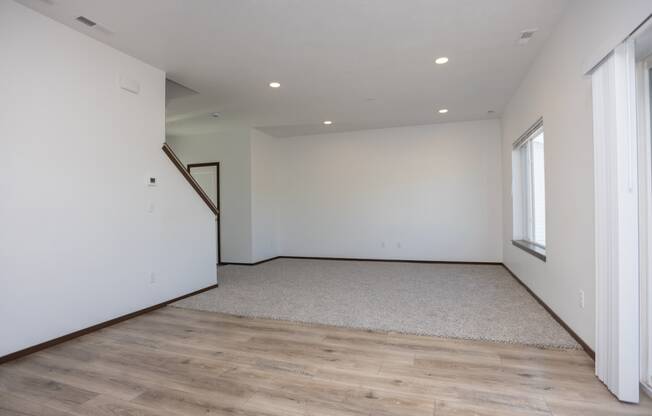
[524, 198]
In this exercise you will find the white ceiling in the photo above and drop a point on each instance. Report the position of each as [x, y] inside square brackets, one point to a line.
[644, 42]
[361, 63]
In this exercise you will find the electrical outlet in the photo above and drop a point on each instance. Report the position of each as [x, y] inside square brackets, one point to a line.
[382, 244]
[152, 278]
[398, 245]
[581, 299]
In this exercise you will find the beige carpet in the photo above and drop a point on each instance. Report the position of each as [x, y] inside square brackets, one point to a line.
[449, 300]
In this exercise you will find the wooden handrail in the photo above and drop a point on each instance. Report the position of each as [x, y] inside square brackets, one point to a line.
[177, 162]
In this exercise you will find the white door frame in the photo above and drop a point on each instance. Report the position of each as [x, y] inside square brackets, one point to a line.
[645, 219]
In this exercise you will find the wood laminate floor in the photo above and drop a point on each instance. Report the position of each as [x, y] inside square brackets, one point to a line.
[182, 362]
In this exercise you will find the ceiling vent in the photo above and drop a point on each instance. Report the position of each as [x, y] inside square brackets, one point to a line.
[86, 21]
[526, 36]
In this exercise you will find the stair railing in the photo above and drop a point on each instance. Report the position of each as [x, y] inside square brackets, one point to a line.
[177, 162]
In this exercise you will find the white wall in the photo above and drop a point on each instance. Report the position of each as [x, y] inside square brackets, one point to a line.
[435, 190]
[265, 195]
[249, 192]
[557, 89]
[231, 147]
[77, 244]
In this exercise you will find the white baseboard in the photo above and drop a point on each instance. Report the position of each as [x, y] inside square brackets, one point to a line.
[647, 389]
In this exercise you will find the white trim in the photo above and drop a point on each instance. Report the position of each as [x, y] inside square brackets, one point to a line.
[647, 390]
[645, 217]
[529, 134]
[523, 180]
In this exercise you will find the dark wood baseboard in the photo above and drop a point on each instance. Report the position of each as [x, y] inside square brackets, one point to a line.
[114, 321]
[394, 260]
[364, 259]
[64, 338]
[228, 263]
[572, 333]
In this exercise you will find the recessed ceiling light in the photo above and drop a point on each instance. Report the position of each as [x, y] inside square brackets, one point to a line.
[328, 122]
[441, 61]
[443, 111]
[274, 84]
[215, 115]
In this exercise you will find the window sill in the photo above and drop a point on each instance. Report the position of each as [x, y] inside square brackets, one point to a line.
[533, 249]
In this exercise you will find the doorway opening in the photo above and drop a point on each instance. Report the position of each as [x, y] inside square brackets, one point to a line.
[207, 176]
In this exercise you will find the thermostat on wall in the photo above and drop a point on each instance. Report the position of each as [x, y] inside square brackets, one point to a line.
[150, 180]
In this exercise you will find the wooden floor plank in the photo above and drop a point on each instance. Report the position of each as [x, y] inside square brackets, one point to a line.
[175, 362]
[80, 376]
[12, 405]
[44, 390]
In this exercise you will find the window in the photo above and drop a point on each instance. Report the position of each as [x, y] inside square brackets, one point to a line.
[529, 191]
